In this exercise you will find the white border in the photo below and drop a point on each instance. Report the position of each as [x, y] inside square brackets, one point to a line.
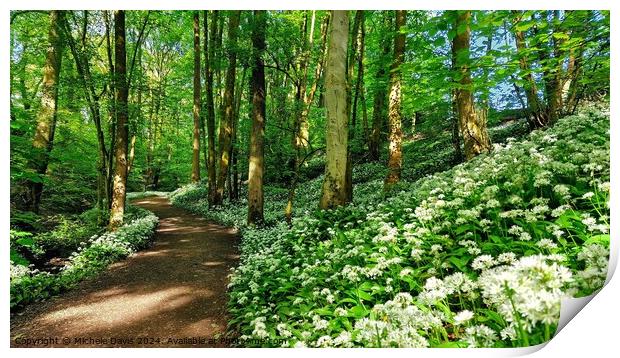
[593, 332]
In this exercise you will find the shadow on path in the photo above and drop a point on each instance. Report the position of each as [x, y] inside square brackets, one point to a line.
[160, 297]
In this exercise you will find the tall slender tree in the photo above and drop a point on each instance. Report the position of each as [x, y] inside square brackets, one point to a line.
[360, 38]
[304, 125]
[473, 128]
[93, 102]
[300, 136]
[257, 85]
[233, 177]
[537, 116]
[210, 64]
[359, 15]
[380, 96]
[196, 111]
[454, 120]
[226, 123]
[46, 118]
[395, 155]
[122, 130]
[336, 92]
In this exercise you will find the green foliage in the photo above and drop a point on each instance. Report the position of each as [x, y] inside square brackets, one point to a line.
[32, 285]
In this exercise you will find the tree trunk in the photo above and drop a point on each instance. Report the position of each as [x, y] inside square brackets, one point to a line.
[394, 107]
[537, 116]
[308, 100]
[234, 148]
[353, 55]
[226, 129]
[210, 64]
[92, 99]
[359, 18]
[336, 136]
[473, 127]
[46, 118]
[485, 106]
[204, 110]
[573, 81]
[456, 133]
[557, 74]
[359, 83]
[256, 160]
[378, 112]
[132, 151]
[548, 74]
[111, 113]
[196, 142]
[120, 170]
[300, 139]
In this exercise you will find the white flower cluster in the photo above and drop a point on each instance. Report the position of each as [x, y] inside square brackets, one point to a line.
[596, 261]
[529, 291]
[19, 271]
[397, 323]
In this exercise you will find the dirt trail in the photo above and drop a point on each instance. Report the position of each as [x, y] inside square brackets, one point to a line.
[170, 295]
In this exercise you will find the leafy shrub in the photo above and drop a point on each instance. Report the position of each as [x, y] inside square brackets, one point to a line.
[21, 241]
[66, 236]
[25, 220]
[30, 285]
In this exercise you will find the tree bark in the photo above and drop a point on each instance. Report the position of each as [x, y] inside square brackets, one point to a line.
[111, 112]
[456, 133]
[309, 97]
[378, 112]
[43, 141]
[300, 140]
[233, 187]
[210, 64]
[473, 127]
[225, 136]
[537, 116]
[554, 103]
[256, 160]
[334, 186]
[543, 51]
[394, 107]
[359, 18]
[196, 142]
[120, 149]
[359, 83]
[573, 80]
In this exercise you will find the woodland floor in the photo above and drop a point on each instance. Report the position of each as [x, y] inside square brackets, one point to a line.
[159, 297]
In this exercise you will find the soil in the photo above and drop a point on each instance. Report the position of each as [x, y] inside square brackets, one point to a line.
[170, 295]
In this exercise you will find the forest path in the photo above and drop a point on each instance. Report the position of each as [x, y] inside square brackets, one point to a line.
[160, 297]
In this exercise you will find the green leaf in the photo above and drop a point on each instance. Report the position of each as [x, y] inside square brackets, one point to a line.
[358, 312]
[324, 311]
[598, 239]
[364, 295]
[18, 259]
[524, 26]
[460, 263]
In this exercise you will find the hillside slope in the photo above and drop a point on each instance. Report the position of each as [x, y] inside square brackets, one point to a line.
[478, 255]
